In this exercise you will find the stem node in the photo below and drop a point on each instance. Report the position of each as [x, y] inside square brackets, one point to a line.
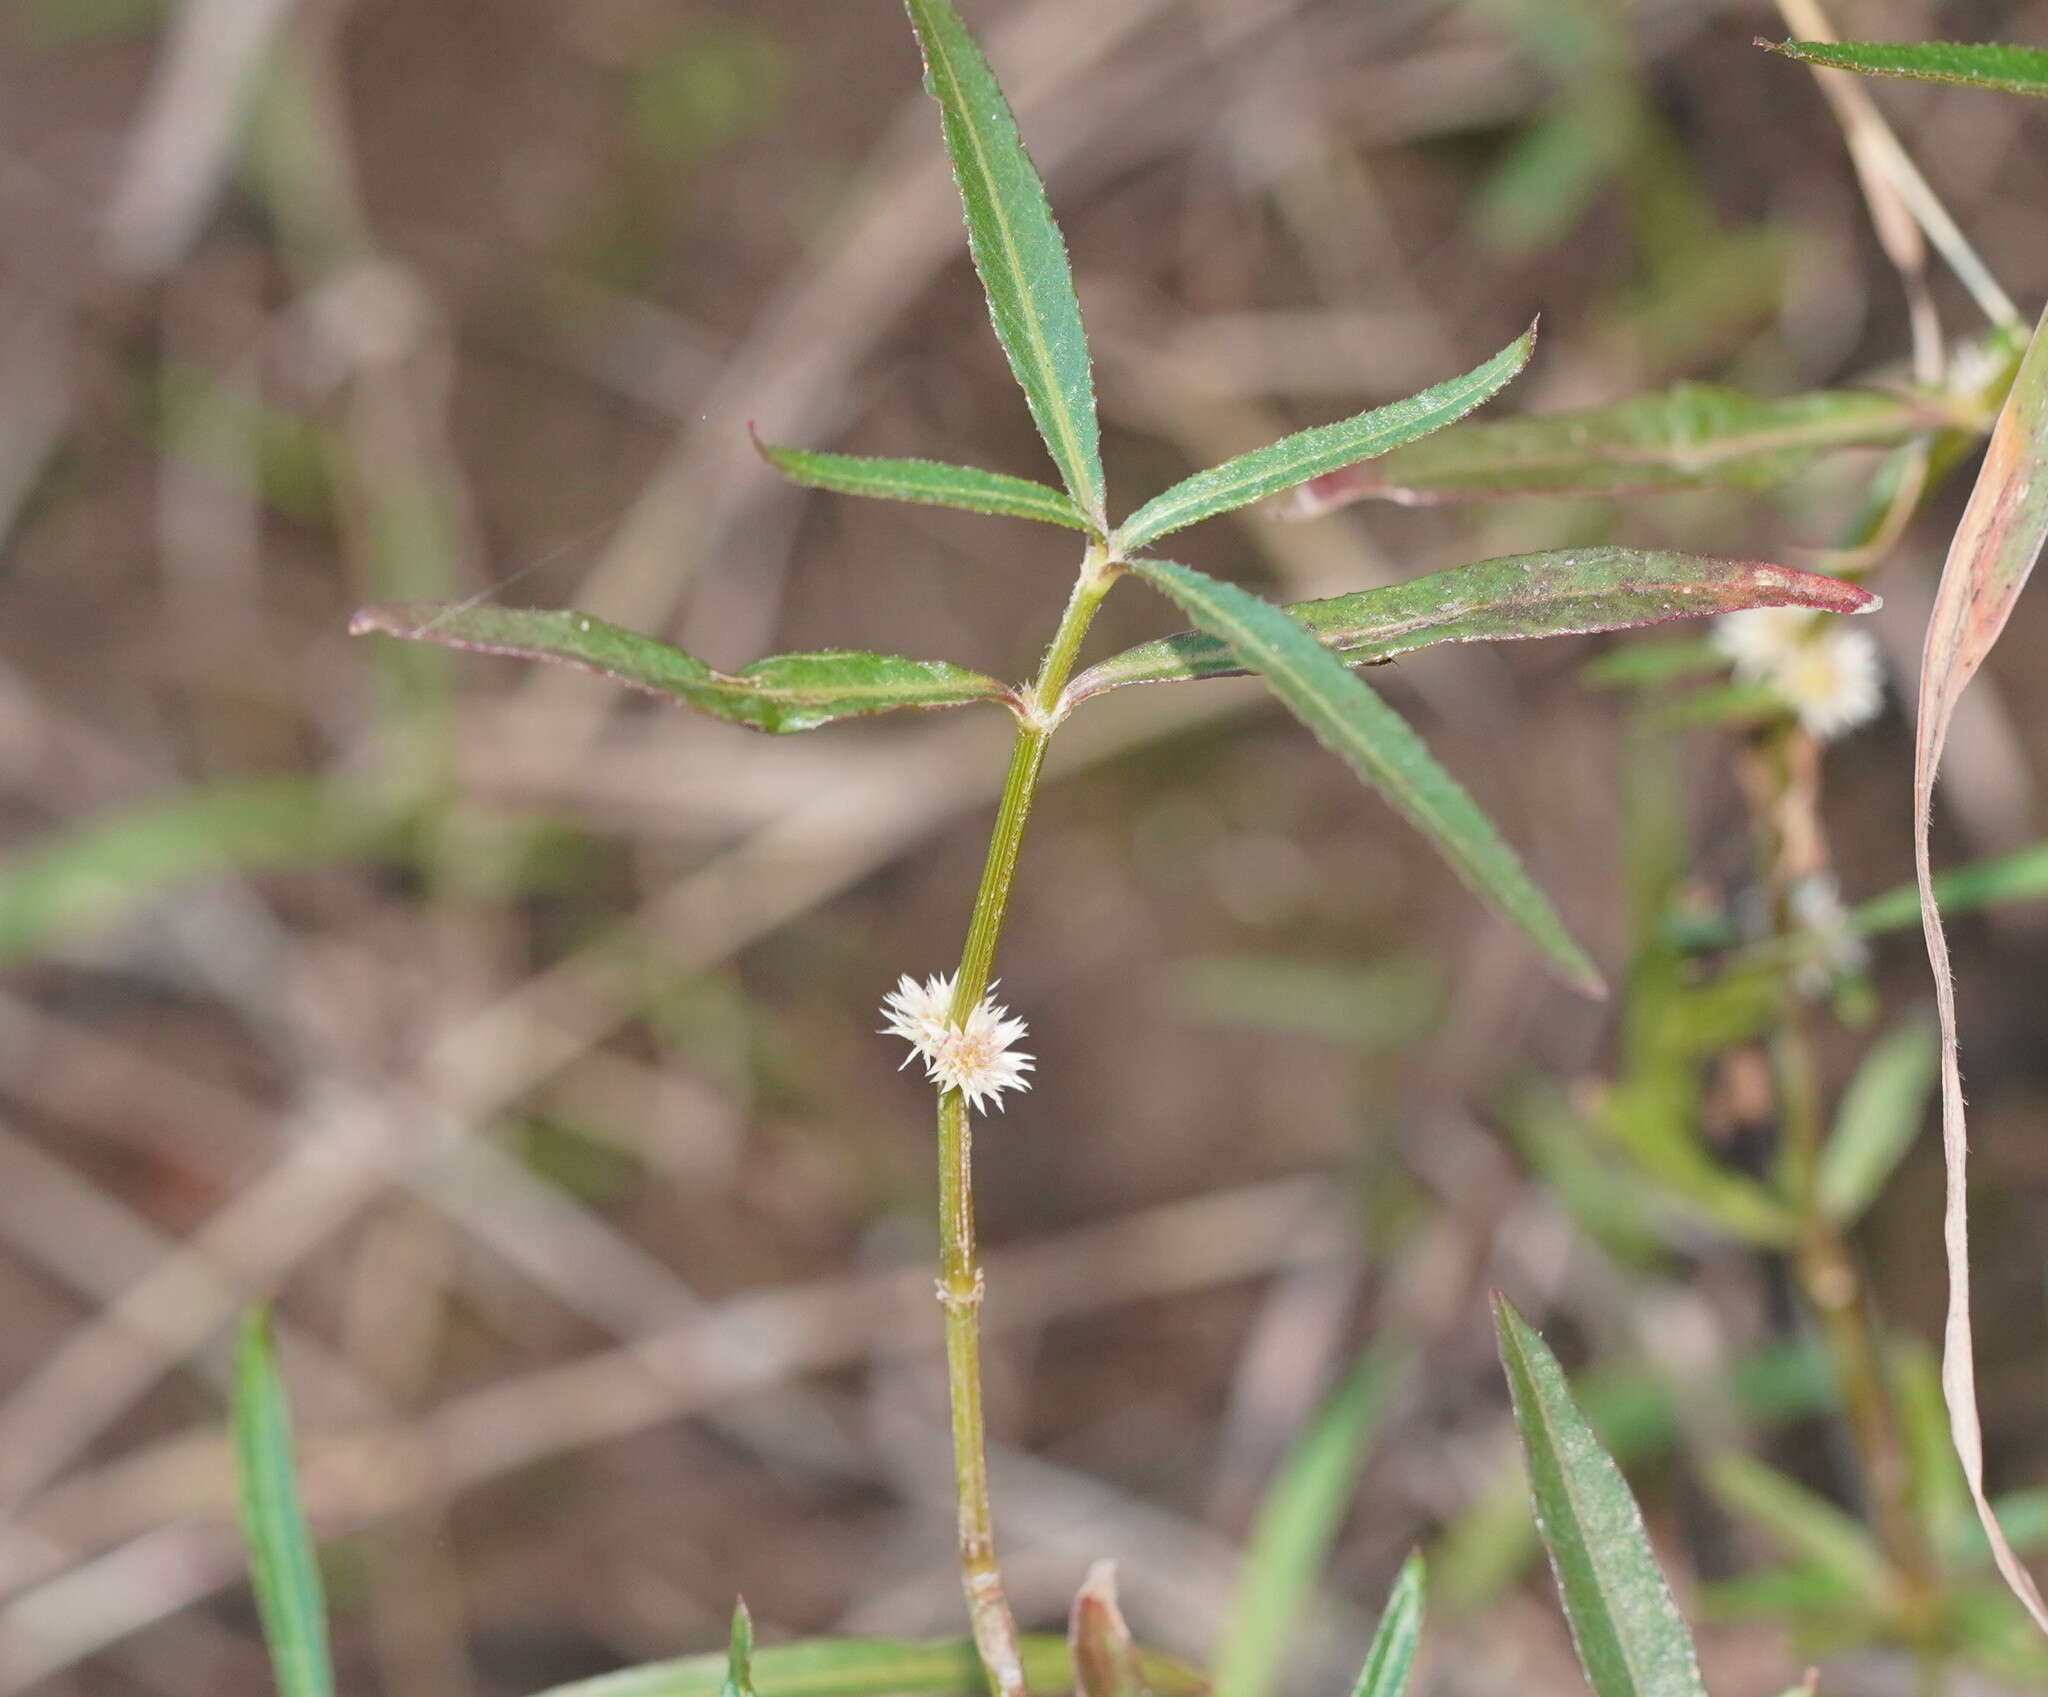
[961, 1284]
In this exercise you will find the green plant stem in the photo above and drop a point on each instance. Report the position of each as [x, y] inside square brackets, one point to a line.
[1823, 1264]
[1839, 1295]
[960, 1276]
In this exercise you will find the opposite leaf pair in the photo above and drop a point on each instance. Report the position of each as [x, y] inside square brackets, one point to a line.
[1302, 653]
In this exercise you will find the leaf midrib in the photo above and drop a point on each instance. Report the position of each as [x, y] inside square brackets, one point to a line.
[1159, 521]
[1638, 454]
[1063, 424]
[1594, 1565]
[881, 476]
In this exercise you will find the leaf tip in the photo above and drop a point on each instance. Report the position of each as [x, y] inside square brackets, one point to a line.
[767, 450]
[255, 1330]
[1507, 1319]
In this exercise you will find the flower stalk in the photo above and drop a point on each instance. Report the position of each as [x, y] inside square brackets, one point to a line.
[1783, 776]
[961, 1283]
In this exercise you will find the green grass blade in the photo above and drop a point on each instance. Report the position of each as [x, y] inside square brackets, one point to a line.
[786, 692]
[1297, 1524]
[1567, 592]
[739, 1654]
[1807, 1528]
[1307, 454]
[1017, 249]
[1879, 1119]
[93, 873]
[1392, 1656]
[2013, 70]
[1635, 1415]
[1353, 722]
[1630, 1638]
[281, 1565]
[2017, 877]
[933, 483]
[1692, 436]
[870, 1667]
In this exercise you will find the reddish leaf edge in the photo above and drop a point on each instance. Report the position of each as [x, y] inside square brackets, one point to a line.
[1776, 586]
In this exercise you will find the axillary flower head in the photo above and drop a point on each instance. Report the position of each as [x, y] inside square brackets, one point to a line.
[1830, 676]
[974, 1057]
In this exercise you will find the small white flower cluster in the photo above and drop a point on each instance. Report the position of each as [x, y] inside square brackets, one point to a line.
[1830, 675]
[975, 1057]
[1837, 951]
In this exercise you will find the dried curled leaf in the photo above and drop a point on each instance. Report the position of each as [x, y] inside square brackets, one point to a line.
[1989, 561]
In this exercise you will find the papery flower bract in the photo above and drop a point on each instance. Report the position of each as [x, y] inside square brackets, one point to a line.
[974, 1058]
[1832, 678]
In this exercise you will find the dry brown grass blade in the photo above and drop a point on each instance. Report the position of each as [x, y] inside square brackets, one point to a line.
[141, 1563]
[1994, 549]
[1896, 190]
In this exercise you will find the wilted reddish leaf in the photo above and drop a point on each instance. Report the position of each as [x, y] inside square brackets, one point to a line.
[1994, 549]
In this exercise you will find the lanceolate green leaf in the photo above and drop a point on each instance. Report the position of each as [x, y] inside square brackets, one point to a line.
[1392, 1656]
[2015, 70]
[281, 1565]
[1017, 249]
[739, 1654]
[2021, 876]
[870, 1667]
[932, 482]
[787, 692]
[1349, 719]
[1636, 1416]
[1692, 436]
[1298, 1522]
[1631, 1640]
[95, 872]
[1565, 593]
[1294, 460]
[1806, 1527]
[1879, 1119]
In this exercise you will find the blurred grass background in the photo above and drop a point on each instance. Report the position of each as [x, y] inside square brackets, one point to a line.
[520, 1036]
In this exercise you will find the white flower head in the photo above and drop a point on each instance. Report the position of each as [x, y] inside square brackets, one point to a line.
[973, 1057]
[1830, 675]
[1836, 950]
[1761, 639]
[1834, 683]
